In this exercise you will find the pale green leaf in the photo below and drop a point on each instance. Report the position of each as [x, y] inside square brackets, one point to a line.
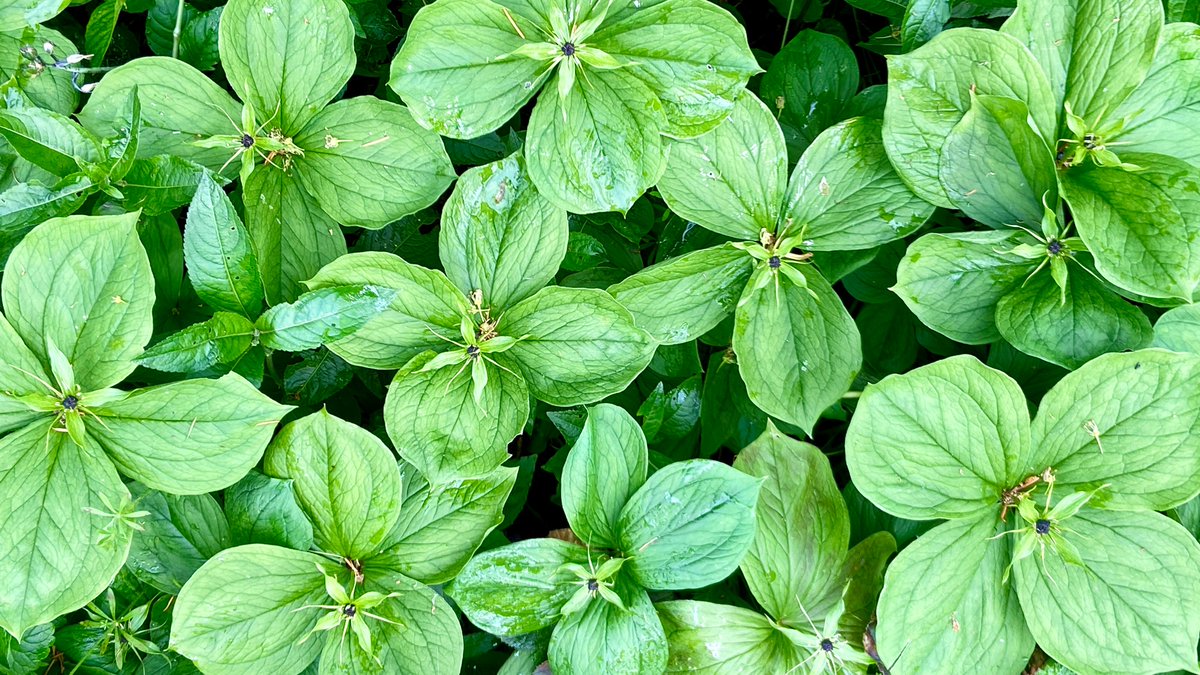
[1179, 330]
[222, 339]
[1164, 109]
[220, 257]
[321, 316]
[605, 638]
[809, 83]
[263, 510]
[181, 532]
[714, 639]
[605, 466]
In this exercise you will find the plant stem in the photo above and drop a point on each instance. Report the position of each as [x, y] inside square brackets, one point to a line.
[178, 30]
[787, 24]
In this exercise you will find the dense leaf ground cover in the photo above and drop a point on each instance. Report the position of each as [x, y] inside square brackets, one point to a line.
[599, 336]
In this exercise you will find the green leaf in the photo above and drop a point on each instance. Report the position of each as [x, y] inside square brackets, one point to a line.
[803, 528]
[1093, 321]
[862, 576]
[1165, 106]
[709, 638]
[345, 480]
[222, 339]
[691, 53]
[923, 19]
[941, 441]
[472, 89]
[83, 282]
[1144, 407]
[797, 353]
[1092, 61]
[809, 83]
[20, 371]
[181, 532]
[321, 316]
[52, 89]
[599, 148]
[929, 91]
[18, 14]
[953, 282]
[731, 180]
[179, 105]
[162, 183]
[425, 301]
[995, 167]
[287, 59]
[54, 560]
[263, 510]
[28, 655]
[1179, 330]
[944, 605]
[606, 465]
[219, 254]
[257, 591]
[367, 163]
[727, 416]
[49, 140]
[605, 638]
[845, 195]
[100, 26]
[689, 525]
[519, 588]
[187, 437]
[27, 204]
[198, 36]
[439, 425]
[293, 238]
[316, 377]
[578, 345]
[499, 235]
[683, 298]
[1141, 226]
[439, 528]
[1136, 567]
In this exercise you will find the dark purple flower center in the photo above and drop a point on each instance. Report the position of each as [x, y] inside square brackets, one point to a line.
[247, 141]
[568, 49]
[593, 585]
[774, 262]
[1054, 247]
[349, 610]
[827, 644]
[472, 351]
[70, 403]
[1042, 526]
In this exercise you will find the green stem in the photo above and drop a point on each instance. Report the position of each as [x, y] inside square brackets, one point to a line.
[787, 24]
[178, 30]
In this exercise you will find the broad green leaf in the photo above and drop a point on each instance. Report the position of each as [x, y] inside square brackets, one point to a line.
[321, 316]
[731, 180]
[727, 416]
[187, 437]
[26, 204]
[519, 588]
[438, 425]
[944, 607]
[941, 441]
[20, 371]
[1136, 568]
[221, 339]
[499, 235]
[257, 591]
[439, 528]
[803, 527]
[1179, 330]
[287, 59]
[1142, 226]
[599, 148]
[605, 466]
[181, 532]
[345, 480]
[1145, 407]
[17, 14]
[179, 105]
[293, 238]
[219, 254]
[263, 510]
[163, 241]
[923, 19]
[844, 194]
[809, 83]
[605, 638]
[862, 576]
[692, 54]
[52, 89]
[56, 557]
[689, 525]
[929, 91]
[578, 345]
[714, 639]
[995, 167]
[316, 377]
[472, 89]
[423, 638]
[797, 353]
[198, 36]
[1092, 61]
[1093, 321]
[685, 297]
[83, 282]
[162, 183]
[49, 140]
[100, 26]
[1166, 106]
[30, 654]
[953, 282]
[367, 163]
[425, 302]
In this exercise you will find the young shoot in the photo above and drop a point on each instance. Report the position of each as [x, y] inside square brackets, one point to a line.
[594, 582]
[349, 613]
